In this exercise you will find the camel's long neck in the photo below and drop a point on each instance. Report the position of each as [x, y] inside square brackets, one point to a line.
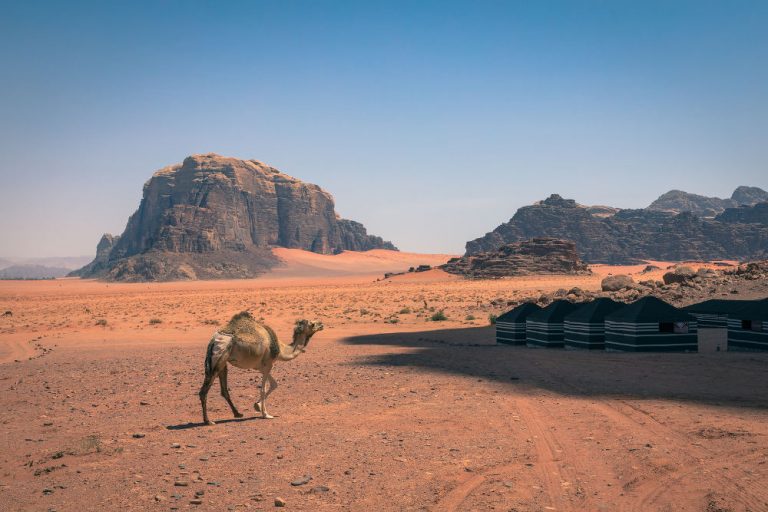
[288, 352]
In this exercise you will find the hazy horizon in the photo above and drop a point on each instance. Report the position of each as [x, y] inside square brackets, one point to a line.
[430, 123]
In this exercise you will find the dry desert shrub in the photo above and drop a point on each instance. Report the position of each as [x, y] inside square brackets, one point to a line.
[438, 316]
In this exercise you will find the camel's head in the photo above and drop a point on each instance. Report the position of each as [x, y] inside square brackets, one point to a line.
[303, 331]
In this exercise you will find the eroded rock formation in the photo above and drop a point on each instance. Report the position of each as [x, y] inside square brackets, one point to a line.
[536, 256]
[217, 217]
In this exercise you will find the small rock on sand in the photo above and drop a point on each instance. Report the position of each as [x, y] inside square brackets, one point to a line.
[279, 502]
[301, 481]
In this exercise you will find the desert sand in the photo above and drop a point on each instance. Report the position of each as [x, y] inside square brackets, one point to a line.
[386, 410]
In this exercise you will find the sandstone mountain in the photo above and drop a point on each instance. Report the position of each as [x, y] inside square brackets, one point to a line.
[677, 201]
[629, 235]
[536, 256]
[217, 217]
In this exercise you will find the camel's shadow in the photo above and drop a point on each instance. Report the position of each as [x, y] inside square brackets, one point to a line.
[185, 426]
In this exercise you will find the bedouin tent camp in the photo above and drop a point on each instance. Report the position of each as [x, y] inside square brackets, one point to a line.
[585, 327]
[650, 325]
[713, 313]
[748, 327]
[545, 328]
[510, 327]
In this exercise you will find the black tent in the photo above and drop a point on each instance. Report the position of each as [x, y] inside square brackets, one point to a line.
[713, 313]
[748, 327]
[545, 328]
[650, 325]
[510, 327]
[585, 327]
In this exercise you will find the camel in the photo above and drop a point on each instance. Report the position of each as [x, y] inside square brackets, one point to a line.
[246, 343]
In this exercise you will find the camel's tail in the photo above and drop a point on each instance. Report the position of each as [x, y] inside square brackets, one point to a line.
[209, 359]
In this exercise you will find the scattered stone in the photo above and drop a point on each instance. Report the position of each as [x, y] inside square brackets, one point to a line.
[318, 489]
[279, 502]
[196, 501]
[301, 481]
[139, 435]
[159, 498]
[175, 445]
[181, 483]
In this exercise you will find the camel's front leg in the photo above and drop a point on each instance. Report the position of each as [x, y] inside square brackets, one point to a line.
[264, 394]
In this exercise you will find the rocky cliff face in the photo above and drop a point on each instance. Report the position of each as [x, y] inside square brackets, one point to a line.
[677, 201]
[536, 256]
[217, 217]
[756, 214]
[629, 235]
[101, 261]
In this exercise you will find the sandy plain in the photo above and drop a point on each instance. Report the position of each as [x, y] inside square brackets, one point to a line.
[387, 410]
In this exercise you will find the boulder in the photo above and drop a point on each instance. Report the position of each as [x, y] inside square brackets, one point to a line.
[616, 283]
[679, 275]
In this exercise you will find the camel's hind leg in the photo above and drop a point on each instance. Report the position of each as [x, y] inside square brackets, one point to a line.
[212, 370]
[225, 392]
[207, 383]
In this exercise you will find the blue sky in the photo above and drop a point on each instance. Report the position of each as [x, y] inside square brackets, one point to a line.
[430, 122]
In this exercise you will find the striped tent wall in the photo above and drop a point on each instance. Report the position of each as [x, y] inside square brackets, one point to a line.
[588, 335]
[544, 334]
[645, 337]
[510, 333]
[710, 320]
[746, 339]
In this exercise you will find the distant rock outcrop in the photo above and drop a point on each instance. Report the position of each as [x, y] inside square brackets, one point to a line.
[756, 214]
[31, 271]
[628, 236]
[749, 195]
[677, 201]
[217, 217]
[536, 256]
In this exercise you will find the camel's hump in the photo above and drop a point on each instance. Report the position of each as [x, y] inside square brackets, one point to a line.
[246, 329]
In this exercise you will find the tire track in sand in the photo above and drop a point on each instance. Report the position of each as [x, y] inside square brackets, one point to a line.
[551, 459]
[624, 414]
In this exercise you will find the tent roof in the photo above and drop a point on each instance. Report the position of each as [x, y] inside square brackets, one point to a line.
[519, 313]
[649, 309]
[756, 310]
[595, 310]
[718, 306]
[555, 312]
